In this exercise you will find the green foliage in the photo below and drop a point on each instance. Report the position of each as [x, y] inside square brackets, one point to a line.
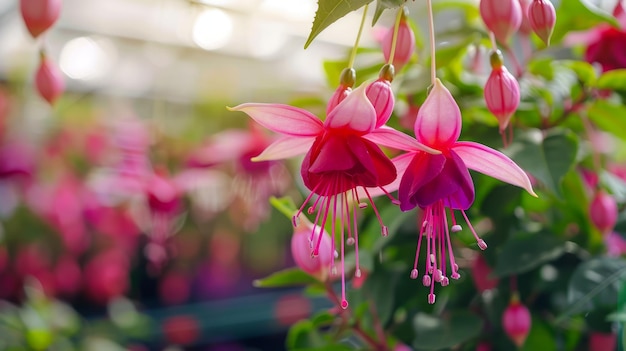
[286, 277]
[523, 253]
[329, 11]
[574, 15]
[436, 333]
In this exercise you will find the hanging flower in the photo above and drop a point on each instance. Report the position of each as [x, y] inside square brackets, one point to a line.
[39, 15]
[435, 182]
[542, 17]
[405, 42]
[502, 94]
[340, 160]
[502, 17]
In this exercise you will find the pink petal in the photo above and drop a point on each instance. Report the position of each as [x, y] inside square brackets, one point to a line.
[355, 112]
[401, 162]
[283, 119]
[438, 122]
[285, 147]
[493, 163]
[389, 137]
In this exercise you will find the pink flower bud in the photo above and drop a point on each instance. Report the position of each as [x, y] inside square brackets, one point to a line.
[49, 81]
[405, 44]
[379, 93]
[603, 212]
[302, 249]
[502, 95]
[39, 15]
[516, 322]
[602, 341]
[542, 18]
[481, 275]
[346, 82]
[502, 17]
[525, 27]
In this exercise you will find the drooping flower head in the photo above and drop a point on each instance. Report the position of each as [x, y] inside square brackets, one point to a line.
[542, 17]
[434, 182]
[502, 94]
[516, 321]
[49, 80]
[405, 42]
[340, 160]
[502, 17]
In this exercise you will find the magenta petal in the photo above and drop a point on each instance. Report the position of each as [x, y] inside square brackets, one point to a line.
[334, 155]
[422, 169]
[453, 185]
[285, 147]
[355, 113]
[493, 163]
[282, 119]
[438, 122]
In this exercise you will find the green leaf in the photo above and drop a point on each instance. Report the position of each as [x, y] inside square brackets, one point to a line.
[287, 277]
[382, 5]
[523, 253]
[583, 70]
[329, 11]
[609, 117]
[547, 158]
[542, 67]
[302, 334]
[540, 337]
[613, 80]
[595, 283]
[574, 15]
[433, 333]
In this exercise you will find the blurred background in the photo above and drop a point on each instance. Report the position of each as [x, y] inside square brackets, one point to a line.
[130, 215]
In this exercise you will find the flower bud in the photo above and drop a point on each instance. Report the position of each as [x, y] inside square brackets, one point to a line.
[481, 275]
[502, 17]
[602, 341]
[379, 93]
[302, 249]
[502, 94]
[48, 80]
[603, 212]
[516, 322]
[525, 27]
[346, 82]
[405, 43]
[39, 15]
[542, 18]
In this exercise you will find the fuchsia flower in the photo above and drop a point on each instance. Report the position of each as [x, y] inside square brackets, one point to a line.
[405, 43]
[502, 93]
[316, 266]
[542, 17]
[436, 181]
[49, 80]
[39, 15]
[516, 321]
[603, 212]
[341, 159]
[502, 17]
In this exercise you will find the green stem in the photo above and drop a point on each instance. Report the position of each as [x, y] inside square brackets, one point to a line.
[394, 39]
[284, 205]
[358, 38]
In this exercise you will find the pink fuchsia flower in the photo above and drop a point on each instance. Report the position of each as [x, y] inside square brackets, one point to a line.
[502, 93]
[340, 159]
[603, 212]
[405, 43]
[481, 275]
[49, 80]
[502, 17]
[615, 244]
[253, 182]
[435, 182]
[542, 17]
[516, 321]
[39, 15]
[317, 266]
[599, 341]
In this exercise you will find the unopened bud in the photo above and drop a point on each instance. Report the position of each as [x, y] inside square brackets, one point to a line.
[542, 17]
[502, 95]
[39, 15]
[405, 43]
[603, 212]
[49, 80]
[516, 322]
[502, 17]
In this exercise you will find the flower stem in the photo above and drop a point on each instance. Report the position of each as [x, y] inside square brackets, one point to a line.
[493, 41]
[284, 205]
[358, 38]
[433, 63]
[394, 39]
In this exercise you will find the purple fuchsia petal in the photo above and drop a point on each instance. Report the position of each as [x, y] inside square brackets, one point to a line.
[493, 163]
[422, 169]
[453, 185]
[354, 113]
[438, 122]
[282, 119]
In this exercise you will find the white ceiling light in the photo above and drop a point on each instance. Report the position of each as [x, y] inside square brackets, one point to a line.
[212, 29]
